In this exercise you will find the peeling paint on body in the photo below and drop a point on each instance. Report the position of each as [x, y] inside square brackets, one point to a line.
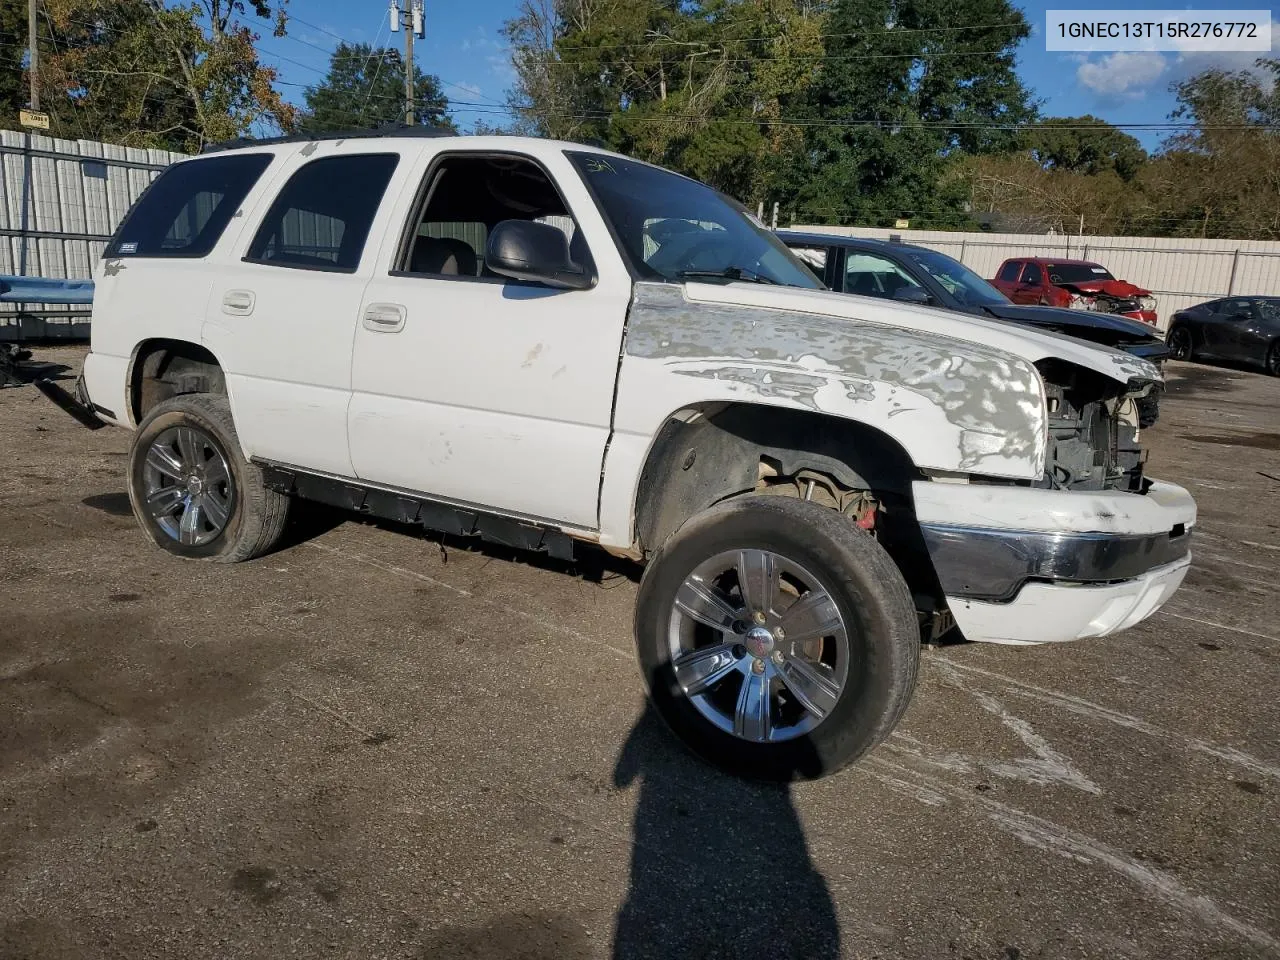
[989, 402]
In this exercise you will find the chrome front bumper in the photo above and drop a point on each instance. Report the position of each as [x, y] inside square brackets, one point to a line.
[1023, 565]
[976, 563]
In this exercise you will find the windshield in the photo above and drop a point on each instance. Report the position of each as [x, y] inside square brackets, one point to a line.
[1270, 309]
[674, 228]
[1076, 272]
[961, 282]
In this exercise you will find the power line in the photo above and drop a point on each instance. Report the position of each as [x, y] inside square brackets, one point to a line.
[801, 56]
[861, 34]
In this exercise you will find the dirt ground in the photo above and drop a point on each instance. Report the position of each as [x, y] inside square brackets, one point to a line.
[363, 746]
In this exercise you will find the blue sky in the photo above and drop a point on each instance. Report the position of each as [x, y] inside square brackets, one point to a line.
[465, 48]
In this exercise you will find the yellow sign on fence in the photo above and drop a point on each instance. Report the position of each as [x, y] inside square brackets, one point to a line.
[34, 118]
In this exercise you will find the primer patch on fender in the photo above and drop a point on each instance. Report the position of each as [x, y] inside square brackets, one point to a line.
[836, 365]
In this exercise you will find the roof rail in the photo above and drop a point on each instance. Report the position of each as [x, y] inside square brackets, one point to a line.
[387, 130]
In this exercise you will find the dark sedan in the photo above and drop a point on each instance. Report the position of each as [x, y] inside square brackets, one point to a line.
[914, 274]
[1239, 329]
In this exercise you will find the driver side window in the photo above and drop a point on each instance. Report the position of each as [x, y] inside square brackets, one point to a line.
[874, 276]
[464, 198]
[1236, 310]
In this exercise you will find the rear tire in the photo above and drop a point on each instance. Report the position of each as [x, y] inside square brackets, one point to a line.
[852, 654]
[1273, 360]
[192, 490]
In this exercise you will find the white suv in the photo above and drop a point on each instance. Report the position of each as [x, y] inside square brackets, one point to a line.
[541, 344]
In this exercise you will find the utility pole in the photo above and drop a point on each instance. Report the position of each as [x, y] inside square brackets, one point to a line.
[35, 55]
[413, 22]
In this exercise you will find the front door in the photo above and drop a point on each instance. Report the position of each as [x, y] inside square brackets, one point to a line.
[481, 390]
[1030, 286]
[1222, 329]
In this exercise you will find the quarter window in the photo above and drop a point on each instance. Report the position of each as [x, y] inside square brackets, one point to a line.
[1033, 274]
[186, 209]
[321, 218]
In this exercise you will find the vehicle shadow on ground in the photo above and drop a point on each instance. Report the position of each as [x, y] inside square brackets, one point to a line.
[719, 865]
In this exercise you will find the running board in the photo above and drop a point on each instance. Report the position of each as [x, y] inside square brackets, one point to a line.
[404, 507]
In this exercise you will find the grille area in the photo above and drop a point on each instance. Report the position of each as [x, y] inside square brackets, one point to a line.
[1093, 432]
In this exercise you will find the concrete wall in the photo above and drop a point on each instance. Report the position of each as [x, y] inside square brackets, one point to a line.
[1180, 272]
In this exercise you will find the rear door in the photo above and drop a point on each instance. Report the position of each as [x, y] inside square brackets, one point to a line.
[284, 307]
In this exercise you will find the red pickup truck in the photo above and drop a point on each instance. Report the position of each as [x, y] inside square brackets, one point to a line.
[1078, 284]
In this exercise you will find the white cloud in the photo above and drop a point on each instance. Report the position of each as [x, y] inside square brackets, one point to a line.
[1122, 74]
[470, 88]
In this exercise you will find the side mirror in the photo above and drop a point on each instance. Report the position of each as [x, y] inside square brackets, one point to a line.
[912, 295]
[525, 250]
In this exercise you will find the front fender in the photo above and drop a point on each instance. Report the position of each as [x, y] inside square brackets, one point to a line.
[952, 405]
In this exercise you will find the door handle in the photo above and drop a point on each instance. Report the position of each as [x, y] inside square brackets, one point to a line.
[384, 317]
[238, 303]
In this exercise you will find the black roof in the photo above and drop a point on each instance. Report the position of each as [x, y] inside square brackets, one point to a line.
[840, 240]
[389, 130]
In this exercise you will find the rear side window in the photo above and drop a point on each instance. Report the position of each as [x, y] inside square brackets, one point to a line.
[321, 218]
[1033, 274]
[1009, 272]
[183, 213]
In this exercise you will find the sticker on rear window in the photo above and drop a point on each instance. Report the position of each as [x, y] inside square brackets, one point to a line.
[1098, 269]
[127, 248]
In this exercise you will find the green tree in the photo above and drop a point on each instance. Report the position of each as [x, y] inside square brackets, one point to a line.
[905, 88]
[701, 87]
[1086, 145]
[365, 88]
[1220, 177]
[149, 75]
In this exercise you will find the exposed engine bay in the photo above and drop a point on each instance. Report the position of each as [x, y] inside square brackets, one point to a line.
[1093, 430]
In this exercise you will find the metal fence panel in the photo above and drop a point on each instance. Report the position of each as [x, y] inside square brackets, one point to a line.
[60, 200]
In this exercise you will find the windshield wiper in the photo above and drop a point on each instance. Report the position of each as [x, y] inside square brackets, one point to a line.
[728, 273]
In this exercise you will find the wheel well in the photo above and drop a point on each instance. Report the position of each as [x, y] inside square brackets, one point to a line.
[168, 368]
[704, 455]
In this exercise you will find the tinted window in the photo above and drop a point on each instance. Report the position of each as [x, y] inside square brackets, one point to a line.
[672, 228]
[183, 213]
[1009, 272]
[321, 218]
[874, 276]
[1032, 274]
[1077, 273]
[959, 281]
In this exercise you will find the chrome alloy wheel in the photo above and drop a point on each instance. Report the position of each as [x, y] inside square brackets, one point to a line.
[758, 645]
[188, 490]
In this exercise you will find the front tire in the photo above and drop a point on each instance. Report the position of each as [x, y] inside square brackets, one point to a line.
[1273, 360]
[1179, 344]
[778, 640]
[192, 490]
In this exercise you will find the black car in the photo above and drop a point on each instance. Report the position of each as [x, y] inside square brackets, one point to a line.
[1243, 329]
[914, 274]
